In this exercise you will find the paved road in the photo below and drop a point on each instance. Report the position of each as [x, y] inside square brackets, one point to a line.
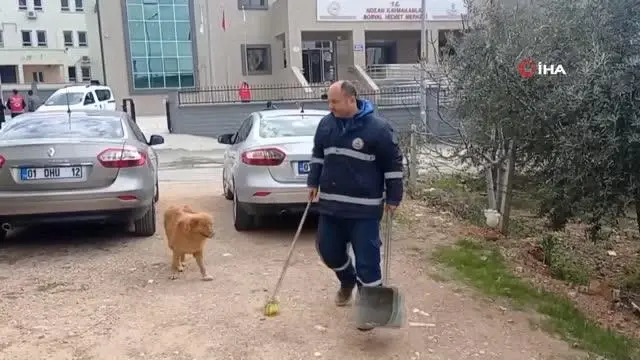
[88, 293]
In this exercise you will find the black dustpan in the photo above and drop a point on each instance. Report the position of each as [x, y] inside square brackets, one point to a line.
[381, 306]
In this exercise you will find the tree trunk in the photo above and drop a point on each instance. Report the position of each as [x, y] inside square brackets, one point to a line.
[505, 204]
[500, 177]
[491, 194]
[636, 201]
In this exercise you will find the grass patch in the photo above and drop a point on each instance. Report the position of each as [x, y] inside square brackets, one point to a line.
[485, 269]
[458, 194]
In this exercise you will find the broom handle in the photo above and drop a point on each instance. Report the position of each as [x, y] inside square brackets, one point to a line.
[387, 247]
[291, 248]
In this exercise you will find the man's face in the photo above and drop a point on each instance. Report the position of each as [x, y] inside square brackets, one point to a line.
[340, 104]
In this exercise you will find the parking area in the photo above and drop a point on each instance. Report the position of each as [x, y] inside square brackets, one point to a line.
[92, 293]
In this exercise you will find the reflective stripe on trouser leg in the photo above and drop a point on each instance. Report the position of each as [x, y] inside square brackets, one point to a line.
[365, 238]
[331, 244]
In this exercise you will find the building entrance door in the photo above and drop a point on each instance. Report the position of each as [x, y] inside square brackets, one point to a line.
[318, 62]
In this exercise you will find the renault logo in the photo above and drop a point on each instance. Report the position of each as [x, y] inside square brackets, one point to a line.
[51, 152]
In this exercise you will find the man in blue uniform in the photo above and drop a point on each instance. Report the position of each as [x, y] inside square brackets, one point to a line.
[355, 157]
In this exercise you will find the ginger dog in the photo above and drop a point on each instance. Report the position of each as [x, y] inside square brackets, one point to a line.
[187, 233]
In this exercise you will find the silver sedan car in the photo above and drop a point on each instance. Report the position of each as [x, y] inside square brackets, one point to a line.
[267, 162]
[78, 166]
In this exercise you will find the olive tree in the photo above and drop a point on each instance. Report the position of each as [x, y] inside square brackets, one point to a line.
[575, 130]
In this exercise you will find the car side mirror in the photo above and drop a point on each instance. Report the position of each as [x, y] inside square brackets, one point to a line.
[156, 140]
[226, 139]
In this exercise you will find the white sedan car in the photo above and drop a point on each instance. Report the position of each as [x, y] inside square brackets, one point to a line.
[266, 165]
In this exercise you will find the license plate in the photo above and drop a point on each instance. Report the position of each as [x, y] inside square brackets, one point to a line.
[51, 173]
[303, 167]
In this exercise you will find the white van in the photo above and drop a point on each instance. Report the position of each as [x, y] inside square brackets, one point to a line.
[83, 97]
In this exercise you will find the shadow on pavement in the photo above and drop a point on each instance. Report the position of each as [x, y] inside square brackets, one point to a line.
[61, 240]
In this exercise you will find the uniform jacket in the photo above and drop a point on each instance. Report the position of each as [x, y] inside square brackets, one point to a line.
[353, 162]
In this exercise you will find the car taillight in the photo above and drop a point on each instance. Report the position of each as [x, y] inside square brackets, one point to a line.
[2, 160]
[263, 157]
[122, 157]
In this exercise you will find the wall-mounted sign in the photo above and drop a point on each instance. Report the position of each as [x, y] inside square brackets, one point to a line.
[387, 11]
[358, 47]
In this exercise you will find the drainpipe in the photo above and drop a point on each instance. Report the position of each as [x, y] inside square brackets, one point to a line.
[104, 65]
[423, 64]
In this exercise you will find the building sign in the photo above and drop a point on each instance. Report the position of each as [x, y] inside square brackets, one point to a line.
[386, 10]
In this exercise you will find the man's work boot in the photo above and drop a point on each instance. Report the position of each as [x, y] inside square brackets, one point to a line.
[343, 296]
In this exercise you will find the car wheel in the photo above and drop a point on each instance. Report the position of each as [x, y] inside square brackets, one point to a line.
[228, 194]
[242, 220]
[146, 226]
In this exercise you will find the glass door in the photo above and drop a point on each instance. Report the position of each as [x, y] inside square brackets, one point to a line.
[319, 62]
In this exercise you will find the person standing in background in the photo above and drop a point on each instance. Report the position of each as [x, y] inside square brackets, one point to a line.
[16, 104]
[33, 101]
[2, 109]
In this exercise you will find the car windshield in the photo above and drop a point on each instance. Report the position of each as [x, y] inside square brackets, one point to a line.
[64, 98]
[60, 126]
[282, 126]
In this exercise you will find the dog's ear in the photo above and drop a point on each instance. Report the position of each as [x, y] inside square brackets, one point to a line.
[187, 209]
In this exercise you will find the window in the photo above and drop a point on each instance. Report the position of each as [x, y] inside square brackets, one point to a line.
[73, 74]
[1, 39]
[37, 5]
[86, 73]
[82, 39]
[253, 4]
[56, 126]
[136, 130]
[160, 44]
[296, 125]
[26, 38]
[79, 5]
[68, 38]
[64, 5]
[38, 76]
[64, 98]
[41, 35]
[256, 59]
[89, 99]
[22, 4]
[244, 131]
[103, 94]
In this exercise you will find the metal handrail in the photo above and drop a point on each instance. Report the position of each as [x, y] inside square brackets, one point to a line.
[399, 71]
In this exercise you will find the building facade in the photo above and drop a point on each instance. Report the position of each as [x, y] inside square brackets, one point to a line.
[45, 42]
[153, 47]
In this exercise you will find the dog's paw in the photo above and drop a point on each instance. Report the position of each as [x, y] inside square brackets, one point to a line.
[181, 268]
[207, 278]
[173, 277]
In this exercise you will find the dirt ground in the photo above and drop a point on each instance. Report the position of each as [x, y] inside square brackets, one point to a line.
[91, 294]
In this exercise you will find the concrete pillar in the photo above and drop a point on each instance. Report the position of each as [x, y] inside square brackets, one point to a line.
[20, 74]
[294, 49]
[358, 40]
[63, 74]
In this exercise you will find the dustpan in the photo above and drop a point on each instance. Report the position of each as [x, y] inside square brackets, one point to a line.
[381, 306]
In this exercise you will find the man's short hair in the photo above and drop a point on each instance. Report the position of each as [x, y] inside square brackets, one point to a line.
[348, 88]
[15, 91]
[30, 92]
